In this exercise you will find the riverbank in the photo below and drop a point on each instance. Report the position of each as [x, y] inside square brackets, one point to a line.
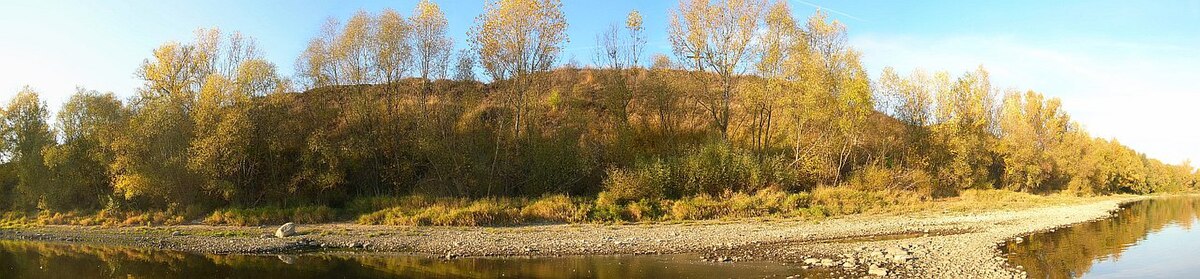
[948, 243]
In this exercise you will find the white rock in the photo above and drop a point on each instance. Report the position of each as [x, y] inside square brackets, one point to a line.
[286, 230]
[877, 271]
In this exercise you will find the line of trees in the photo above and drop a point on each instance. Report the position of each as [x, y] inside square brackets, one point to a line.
[750, 98]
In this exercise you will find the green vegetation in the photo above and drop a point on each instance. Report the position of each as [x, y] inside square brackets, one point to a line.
[757, 114]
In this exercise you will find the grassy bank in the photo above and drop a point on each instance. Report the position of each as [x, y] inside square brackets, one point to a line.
[555, 209]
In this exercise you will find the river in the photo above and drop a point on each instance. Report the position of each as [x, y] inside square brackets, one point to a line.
[1155, 238]
[25, 259]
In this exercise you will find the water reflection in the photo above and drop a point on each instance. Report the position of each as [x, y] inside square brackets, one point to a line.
[19, 259]
[1152, 238]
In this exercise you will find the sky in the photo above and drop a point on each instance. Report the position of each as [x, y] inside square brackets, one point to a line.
[1124, 69]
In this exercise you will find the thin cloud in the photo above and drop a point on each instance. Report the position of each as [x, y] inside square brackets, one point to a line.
[831, 10]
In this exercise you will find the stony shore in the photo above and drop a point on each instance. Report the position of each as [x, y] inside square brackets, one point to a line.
[914, 245]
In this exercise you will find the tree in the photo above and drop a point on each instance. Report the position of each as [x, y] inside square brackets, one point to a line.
[257, 77]
[431, 45]
[393, 54]
[317, 66]
[965, 130]
[87, 125]
[26, 135]
[352, 50]
[716, 36]
[618, 54]
[775, 51]
[464, 69]
[219, 151]
[909, 99]
[662, 98]
[515, 40]
[153, 157]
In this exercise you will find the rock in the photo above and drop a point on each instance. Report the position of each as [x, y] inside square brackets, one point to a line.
[286, 230]
[901, 258]
[826, 262]
[450, 255]
[176, 233]
[877, 271]
[811, 261]
[287, 259]
[897, 251]
[266, 236]
[725, 259]
[848, 265]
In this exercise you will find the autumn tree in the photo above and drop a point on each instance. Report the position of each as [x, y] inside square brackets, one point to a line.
[26, 133]
[87, 125]
[966, 129]
[352, 49]
[773, 66]
[393, 53]
[431, 46]
[464, 67]
[316, 66]
[618, 53]
[909, 100]
[714, 39]
[1032, 129]
[515, 40]
[662, 98]
[153, 162]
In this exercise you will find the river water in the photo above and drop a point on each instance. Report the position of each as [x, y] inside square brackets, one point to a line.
[1156, 238]
[1148, 239]
[23, 259]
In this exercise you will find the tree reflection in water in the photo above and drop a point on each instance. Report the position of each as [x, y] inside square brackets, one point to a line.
[1073, 251]
[22, 259]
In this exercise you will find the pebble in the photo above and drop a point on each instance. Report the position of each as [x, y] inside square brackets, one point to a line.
[877, 271]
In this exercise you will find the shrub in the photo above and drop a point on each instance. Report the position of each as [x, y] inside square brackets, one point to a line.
[554, 208]
[696, 208]
[608, 209]
[846, 200]
[644, 210]
[717, 168]
[880, 178]
[644, 181]
[270, 215]
[482, 212]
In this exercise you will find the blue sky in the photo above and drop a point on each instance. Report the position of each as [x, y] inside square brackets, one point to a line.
[1124, 69]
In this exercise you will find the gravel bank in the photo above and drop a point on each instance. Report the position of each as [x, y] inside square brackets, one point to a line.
[919, 245]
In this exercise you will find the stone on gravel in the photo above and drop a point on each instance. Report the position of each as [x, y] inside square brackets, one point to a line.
[286, 230]
[877, 271]
[901, 258]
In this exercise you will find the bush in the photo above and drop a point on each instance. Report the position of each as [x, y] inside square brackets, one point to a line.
[482, 212]
[555, 208]
[645, 181]
[644, 210]
[846, 200]
[879, 178]
[717, 168]
[270, 215]
[696, 208]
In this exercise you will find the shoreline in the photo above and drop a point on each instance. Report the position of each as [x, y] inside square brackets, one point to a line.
[920, 244]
